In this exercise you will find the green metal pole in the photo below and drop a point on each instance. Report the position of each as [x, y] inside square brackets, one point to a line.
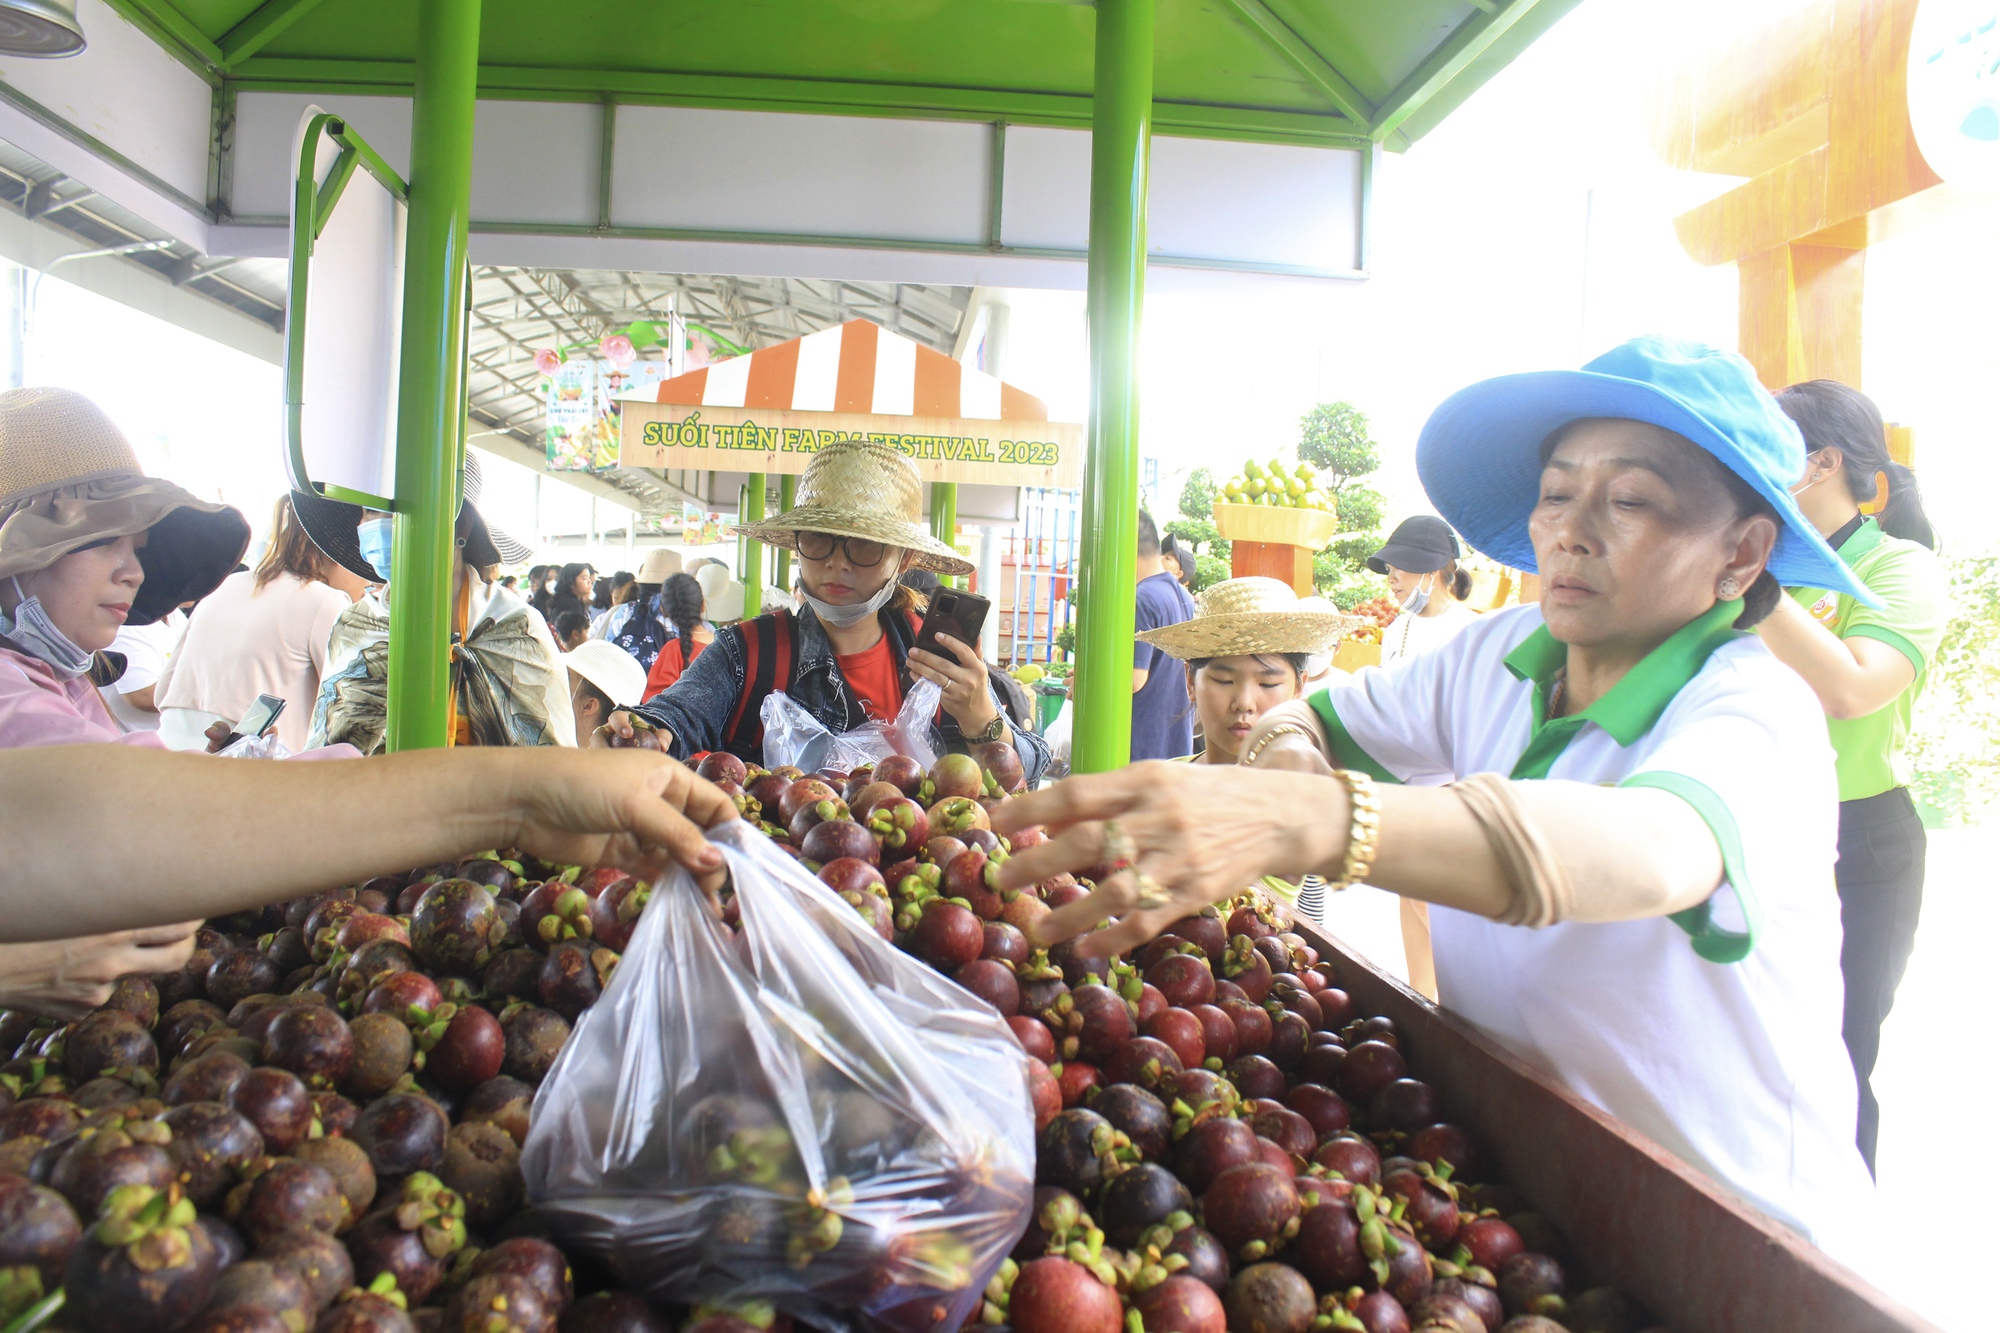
[788, 492]
[753, 551]
[944, 519]
[1119, 146]
[429, 418]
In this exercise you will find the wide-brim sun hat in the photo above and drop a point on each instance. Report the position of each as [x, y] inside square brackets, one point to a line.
[332, 526]
[1248, 616]
[1421, 544]
[1479, 455]
[857, 488]
[69, 477]
[611, 669]
[659, 565]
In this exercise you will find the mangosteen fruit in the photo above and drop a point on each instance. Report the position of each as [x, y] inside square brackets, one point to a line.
[482, 1165]
[1252, 1209]
[1485, 1301]
[1077, 1150]
[146, 1265]
[1180, 1030]
[992, 982]
[471, 1048]
[108, 1041]
[259, 1284]
[311, 1041]
[535, 1259]
[1269, 1298]
[1058, 1295]
[572, 976]
[534, 1038]
[383, 1048]
[401, 1134]
[410, 1237]
[278, 1104]
[501, 1101]
[1138, 1198]
[1211, 1148]
[365, 1312]
[353, 1174]
[1532, 1283]
[38, 1229]
[499, 1303]
[511, 975]
[1140, 1116]
[241, 973]
[114, 1152]
[284, 1193]
[453, 929]
[1491, 1242]
[314, 1256]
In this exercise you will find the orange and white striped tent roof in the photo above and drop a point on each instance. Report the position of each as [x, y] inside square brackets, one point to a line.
[854, 367]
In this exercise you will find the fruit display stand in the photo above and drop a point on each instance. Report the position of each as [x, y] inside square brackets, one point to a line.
[1274, 541]
[1645, 1222]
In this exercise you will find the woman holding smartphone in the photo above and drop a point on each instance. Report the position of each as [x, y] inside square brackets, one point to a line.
[850, 651]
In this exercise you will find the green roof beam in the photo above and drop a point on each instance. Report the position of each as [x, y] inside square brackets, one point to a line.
[269, 19]
[1466, 44]
[1308, 61]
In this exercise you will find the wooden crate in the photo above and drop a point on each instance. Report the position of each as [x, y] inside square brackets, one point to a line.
[1638, 1217]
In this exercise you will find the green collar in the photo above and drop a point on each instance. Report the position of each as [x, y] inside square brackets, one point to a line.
[1865, 539]
[1631, 707]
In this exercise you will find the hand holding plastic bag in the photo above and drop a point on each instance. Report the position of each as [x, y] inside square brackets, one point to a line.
[794, 1112]
[794, 736]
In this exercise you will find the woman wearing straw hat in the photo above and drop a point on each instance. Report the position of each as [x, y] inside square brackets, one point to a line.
[848, 654]
[1631, 869]
[1246, 651]
[88, 544]
[508, 682]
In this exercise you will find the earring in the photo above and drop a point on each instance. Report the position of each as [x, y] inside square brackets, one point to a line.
[1730, 589]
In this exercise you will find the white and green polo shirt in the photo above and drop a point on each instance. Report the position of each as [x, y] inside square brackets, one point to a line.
[1916, 604]
[1715, 1032]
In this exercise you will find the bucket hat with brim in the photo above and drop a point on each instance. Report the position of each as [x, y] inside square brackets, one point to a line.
[1479, 455]
[857, 488]
[1239, 617]
[611, 669]
[1421, 544]
[69, 477]
[333, 524]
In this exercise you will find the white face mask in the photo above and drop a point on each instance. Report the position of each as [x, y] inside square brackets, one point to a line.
[1420, 596]
[31, 628]
[846, 617]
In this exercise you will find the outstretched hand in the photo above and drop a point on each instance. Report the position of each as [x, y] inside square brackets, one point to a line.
[633, 809]
[66, 979]
[1201, 833]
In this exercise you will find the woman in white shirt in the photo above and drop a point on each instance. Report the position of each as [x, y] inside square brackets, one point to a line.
[1631, 869]
[1420, 561]
[264, 631]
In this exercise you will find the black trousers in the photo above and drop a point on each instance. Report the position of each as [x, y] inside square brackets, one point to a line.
[1881, 880]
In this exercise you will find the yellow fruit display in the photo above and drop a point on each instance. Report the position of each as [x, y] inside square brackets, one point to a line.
[1278, 484]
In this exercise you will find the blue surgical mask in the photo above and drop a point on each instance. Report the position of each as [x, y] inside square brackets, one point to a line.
[377, 535]
[31, 628]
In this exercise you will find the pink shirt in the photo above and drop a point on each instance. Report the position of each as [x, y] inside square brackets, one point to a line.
[38, 707]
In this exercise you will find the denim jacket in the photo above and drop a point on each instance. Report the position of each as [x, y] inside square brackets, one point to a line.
[696, 708]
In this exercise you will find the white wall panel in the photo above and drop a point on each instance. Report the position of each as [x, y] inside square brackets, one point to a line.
[1254, 202]
[127, 92]
[815, 175]
[536, 161]
[1046, 201]
[267, 125]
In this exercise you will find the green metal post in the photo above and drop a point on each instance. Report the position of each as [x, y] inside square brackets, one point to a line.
[753, 551]
[788, 491]
[429, 416]
[944, 519]
[1121, 128]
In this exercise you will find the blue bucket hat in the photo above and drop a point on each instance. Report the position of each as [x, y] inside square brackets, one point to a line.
[1480, 453]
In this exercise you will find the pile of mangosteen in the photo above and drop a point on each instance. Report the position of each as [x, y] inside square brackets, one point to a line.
[316, 1123]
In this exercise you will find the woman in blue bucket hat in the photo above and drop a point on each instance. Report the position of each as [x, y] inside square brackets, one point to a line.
[1630, 857]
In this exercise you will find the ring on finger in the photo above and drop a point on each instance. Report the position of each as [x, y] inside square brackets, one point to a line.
[1119, 849]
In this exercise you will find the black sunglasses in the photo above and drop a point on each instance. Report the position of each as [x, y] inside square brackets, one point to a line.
[861, 553]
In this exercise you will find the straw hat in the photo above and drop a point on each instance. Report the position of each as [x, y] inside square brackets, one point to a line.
[1253, 615]
[659, 565]
[332, 525]
[68, 477]
[857, 488]
[611, 669]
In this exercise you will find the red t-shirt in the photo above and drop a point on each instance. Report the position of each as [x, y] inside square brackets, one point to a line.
[872, 675]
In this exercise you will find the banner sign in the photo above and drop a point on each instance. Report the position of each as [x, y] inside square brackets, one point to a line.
[742, 439]
[582, 397]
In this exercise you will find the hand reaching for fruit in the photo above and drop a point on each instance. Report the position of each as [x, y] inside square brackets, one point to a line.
[66, 979]
[1201, 833]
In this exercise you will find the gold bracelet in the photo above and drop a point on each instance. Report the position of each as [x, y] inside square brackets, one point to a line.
[1364, 827]
[1282, 729]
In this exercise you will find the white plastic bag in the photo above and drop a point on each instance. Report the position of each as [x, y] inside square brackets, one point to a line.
[793, 1112]
[794, 736]
[267, 746]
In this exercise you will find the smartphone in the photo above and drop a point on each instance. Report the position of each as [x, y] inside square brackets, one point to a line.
[261, 716]
[960, 614]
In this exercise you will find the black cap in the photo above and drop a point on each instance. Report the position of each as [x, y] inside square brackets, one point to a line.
[1420, 545]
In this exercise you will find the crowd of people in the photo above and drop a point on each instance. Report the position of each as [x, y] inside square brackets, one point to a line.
[1651, 823]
